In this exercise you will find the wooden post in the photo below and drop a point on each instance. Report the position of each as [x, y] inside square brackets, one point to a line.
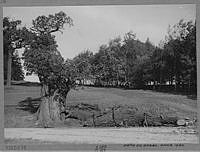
[113, 116]
[93, 119]
[145, 123]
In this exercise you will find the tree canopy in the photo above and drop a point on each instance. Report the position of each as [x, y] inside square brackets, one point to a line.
[12, 40]
[129, 61]
[41, 56]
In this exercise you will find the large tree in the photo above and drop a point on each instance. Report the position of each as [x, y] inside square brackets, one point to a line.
[42, 57]
[180, 53]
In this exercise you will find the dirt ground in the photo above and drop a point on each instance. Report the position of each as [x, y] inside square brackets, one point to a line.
[101, 135]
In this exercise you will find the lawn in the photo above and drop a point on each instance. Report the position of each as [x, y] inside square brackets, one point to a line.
[84, 102]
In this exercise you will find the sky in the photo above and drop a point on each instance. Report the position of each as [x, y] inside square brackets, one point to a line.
[96, 25]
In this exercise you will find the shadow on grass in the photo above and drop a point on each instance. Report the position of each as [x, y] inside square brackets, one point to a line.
[192, 94]
[29, 104]
[189, 95]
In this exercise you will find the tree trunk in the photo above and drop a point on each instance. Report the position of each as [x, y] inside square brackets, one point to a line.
[113, 116]
[189, 87]
[44, 90]
[154, 85]
[49, 112]
[9, 68]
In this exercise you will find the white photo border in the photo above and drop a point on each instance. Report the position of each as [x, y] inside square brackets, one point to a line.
[87, 147]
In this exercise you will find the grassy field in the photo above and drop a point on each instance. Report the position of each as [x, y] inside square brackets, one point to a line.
[129, 104]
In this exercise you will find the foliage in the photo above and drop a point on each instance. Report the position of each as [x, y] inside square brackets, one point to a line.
[131, 63]
[122, 62]
[17, 71]
[12, 39]
[180, 54]
[83, 65]
[42, 57]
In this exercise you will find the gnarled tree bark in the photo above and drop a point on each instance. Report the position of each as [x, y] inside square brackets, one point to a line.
[53, 105]
[49, 111]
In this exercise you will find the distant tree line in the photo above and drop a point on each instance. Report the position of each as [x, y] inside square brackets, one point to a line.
[130, 63]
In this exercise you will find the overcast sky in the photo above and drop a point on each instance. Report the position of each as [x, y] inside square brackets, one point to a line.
[96, 25]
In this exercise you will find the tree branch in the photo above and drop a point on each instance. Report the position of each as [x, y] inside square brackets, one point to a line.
[54, 30]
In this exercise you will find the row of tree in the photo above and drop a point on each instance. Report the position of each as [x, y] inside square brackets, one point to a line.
[131, 63]
[122, 62]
